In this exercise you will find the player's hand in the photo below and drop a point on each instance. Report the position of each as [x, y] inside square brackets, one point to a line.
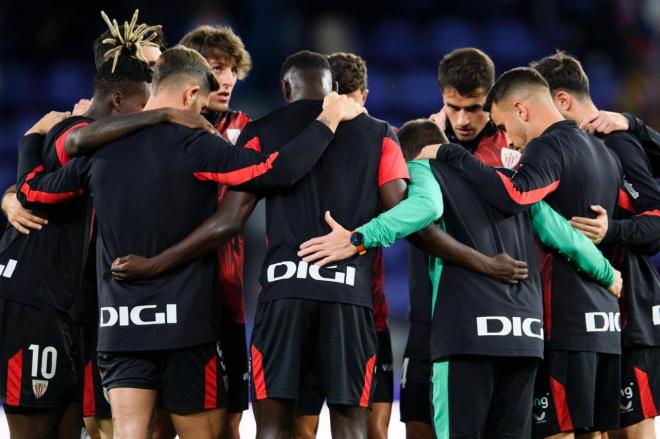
[81, 107]
[605, 122]
[594, 229]
[429, 152]
[133, 267]
[616, 287]
[338, 108]
[20, 218]
[335, 246]
[47, 122]
[188, 119]
[440, 119]
[503, 268]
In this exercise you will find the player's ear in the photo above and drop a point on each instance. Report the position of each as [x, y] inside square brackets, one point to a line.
[117, 99]
[520, 109]
[286, 90]
[365, 93]
[191, 95]
[563, 101]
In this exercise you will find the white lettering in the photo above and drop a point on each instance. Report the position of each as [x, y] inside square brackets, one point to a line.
[303, 270]
[134, 316]
[314, 272]
[602, 322]
[516, 326]
[656, 315]
[290, 270]
[9, 269]
[112, 315]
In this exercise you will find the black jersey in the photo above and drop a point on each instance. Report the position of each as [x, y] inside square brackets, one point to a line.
[649, 138]
[45, 268]
[633, 236]
[572, 171]
[363, 156]
[473, 313]
[151, 189]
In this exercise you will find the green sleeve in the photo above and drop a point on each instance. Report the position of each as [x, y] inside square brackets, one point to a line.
[421, 208]
[555, 232]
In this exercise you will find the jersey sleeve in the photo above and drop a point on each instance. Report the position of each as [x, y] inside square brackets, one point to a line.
[648, 137]
[538, 175]
[553, 231]
[29, 153]
[640, 196]
[214, 159]
[37, 189]
[60, 141]
[422, 206]
[392, 164]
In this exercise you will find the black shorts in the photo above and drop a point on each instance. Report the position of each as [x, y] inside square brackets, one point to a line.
[192, 378]
[577, 391]
[640, 384]
[479, 396]
[293, 338]
[311, 397]
[40, 358]
[415, 404]
[234, 350]
[94, 400]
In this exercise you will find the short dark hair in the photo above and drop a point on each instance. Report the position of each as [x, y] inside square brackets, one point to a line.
[305, 60]
[469, 70]
[416, 134]
[180, 61]
[512, 80]
[101, 49]
[206, 39]
[349, 71]
[563, 72]
[130, 73]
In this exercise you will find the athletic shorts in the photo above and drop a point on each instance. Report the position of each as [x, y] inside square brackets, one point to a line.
[577, 391]
[40, 358]
[293, 338]
[415, 404]
[479, 396]
[236, 359]
[640, 384]
[94, 400]
[187, 379]
[311, 397]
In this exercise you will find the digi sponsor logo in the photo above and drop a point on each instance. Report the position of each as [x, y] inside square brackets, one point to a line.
[656, 315]
[602, 322]
[627, 393]
[540, 406]
[500, 326]
[303, 270]
[7, 270]
[142, 315]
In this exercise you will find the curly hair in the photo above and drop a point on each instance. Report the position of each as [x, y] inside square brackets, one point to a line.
[207, 39]
[349, 70]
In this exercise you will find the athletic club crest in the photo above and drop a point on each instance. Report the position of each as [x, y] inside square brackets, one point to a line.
[232, 135]
[39, 387]
[510, 157]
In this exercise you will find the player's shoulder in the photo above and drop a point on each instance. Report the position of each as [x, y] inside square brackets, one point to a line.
[622, 139]
[62, 126]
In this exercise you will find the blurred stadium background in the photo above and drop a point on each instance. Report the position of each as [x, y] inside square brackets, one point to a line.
[46, 63]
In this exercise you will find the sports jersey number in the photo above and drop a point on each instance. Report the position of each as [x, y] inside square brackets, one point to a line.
[48, 361]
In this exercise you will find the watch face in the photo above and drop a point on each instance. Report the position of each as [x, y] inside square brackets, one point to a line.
[357, 238]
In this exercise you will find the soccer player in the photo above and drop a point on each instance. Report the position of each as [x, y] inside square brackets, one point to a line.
[638, 225]
[500, 394]
[572, 170]
[349, 71]
[152, 336]
[52, 289]
[230, 61]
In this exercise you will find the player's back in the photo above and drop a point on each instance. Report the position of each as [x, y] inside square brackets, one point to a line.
[344, 181]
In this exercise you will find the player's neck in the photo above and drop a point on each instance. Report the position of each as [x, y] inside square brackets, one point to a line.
[584, 110]
[547, 117]
[160, 101]
[98, 109]
[308, 94]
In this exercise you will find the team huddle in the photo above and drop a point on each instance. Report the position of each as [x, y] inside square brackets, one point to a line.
[531, 218]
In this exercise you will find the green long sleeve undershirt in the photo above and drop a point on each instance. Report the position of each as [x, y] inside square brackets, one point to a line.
[424, 205]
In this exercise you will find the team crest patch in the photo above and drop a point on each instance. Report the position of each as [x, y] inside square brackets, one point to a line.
[510, 157]
[39, 387]
[232, 134]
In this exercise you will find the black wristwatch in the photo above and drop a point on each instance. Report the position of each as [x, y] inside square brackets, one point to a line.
[357, 239]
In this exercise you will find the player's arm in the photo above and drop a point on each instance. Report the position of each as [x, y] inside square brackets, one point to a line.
[90, 137]
[553, 231]
[649, 138]
[537, 176]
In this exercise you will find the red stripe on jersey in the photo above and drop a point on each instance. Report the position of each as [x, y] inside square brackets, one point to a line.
[14, 377]
[258, 374]
[650, 212]
[645, 394]
[489, 150]
[546, 282]
[254, 144]
[368, 375]
[529, 197]
[392, 165]
[239, 176]
[89, 403]
[62, 156]
[561, 405]
[45, 197]
[211, 383]
[624, 201]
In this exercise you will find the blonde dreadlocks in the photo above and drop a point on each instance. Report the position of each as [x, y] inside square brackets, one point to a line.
[134, 38]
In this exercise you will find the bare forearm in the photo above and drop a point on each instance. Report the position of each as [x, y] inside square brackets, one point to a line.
[439, 243]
